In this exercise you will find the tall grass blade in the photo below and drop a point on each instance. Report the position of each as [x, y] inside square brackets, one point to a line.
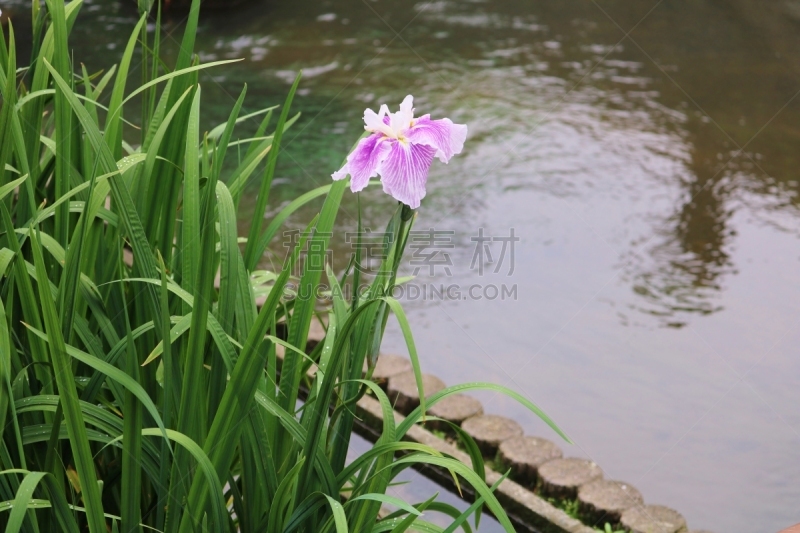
[250, 257]
[240, 391]
[113, 126]
[9, 94]
[65, 380]
[130, 512]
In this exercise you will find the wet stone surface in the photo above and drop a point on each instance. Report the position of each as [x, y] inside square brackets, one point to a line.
[403, 392]
[389, 365]
[562, 478]
[524, 455]
[653, 519]
[490, 430]
[604, 500]
[456, 409]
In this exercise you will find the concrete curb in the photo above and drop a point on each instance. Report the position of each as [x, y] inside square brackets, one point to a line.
[528, 511]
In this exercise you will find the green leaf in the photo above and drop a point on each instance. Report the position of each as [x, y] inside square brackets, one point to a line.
[20, 506]
[286, 212]
[410, 520]
[471, 478]
[147, 183]
[10, 186]
[304, 310]
[217, 504]
[131, 493]
[338, 515]
[228, 262]
[113, 133]
[239, 393]
[63, 119]
[6, 256]
[413, 417]
[190, 245]
[23, 501]
[109, 370]
[218, 130]
[390, 500]
[250, 257]
[174, 74]
[120, 194]
[461, 520]
[69, 399]
[405, 327]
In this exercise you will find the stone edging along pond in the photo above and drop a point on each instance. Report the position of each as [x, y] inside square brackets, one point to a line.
[545, 492]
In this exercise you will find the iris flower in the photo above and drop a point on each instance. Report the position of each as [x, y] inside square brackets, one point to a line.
[400, 149]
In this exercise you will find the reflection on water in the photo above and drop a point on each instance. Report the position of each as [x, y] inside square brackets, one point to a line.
[511, 75]
[653, 180]
[689, 246]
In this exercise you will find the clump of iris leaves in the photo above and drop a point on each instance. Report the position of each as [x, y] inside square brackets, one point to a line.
[107, 427]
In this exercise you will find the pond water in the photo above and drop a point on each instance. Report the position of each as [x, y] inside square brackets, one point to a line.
[645, 156]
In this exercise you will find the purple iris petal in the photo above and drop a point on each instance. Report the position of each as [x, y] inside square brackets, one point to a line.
[363, 163]
[401, 149]
[404, 172]
[446, 137]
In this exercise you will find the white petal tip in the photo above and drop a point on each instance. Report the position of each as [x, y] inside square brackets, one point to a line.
[358, 187]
